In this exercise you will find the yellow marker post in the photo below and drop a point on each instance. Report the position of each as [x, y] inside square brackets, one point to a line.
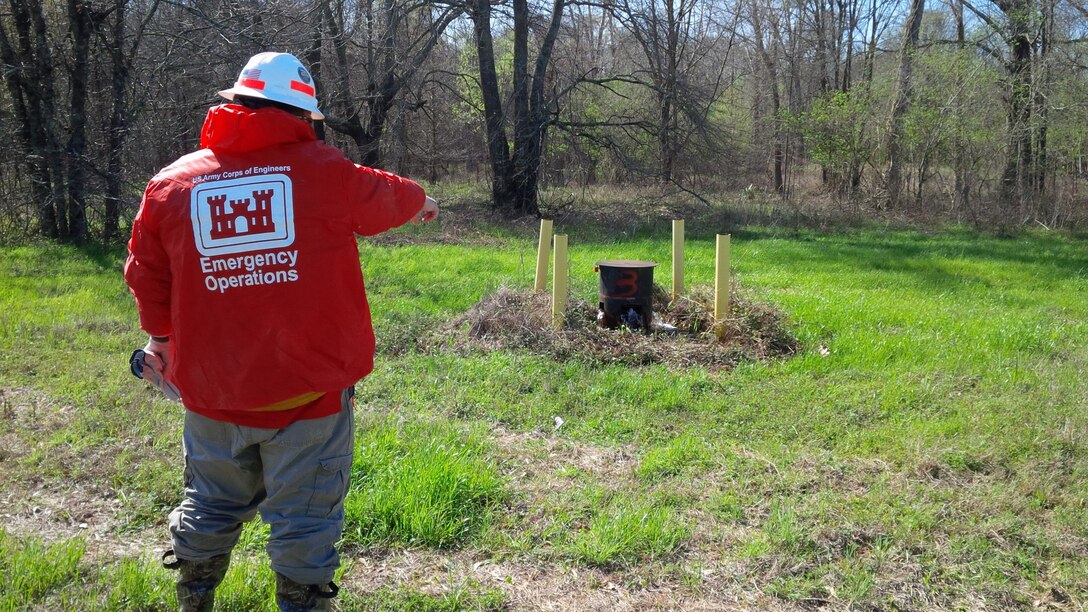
[543, 252]
[721, 278]
[559, 282]
[677, 258]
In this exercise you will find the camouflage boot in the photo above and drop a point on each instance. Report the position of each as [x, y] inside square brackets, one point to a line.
[198, 579]
[294, 597]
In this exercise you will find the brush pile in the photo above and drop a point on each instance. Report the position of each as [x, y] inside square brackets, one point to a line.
[684, 334]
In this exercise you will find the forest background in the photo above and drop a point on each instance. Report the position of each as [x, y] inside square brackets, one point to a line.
[966, 111]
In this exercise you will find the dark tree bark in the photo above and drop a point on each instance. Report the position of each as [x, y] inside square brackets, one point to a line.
[668, 67]
[81, 25]
[515, 178]
[1027, 30]
[122, 53]
[343, 115]
[771, 68]
[115, 134]
[1018, 162]
[529, 140]
[962, 189]
[894, 180]
[1039, 97]
[498, 148]
[28, 75]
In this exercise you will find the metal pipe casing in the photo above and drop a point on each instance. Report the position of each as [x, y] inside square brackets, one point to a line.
[626, 293]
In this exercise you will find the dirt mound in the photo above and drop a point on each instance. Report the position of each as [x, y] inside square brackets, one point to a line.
[684, 333]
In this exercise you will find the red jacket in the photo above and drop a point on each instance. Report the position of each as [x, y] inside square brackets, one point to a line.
[244, 253]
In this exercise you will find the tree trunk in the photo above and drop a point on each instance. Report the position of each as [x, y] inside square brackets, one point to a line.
[346, 119]
[1041, 86]
[847, 23]
[313, 60]
[894, 180]
[121, 69]
[664, 140]
[515, 179]
[27, 110]
[115, 133]
[778, 154]
[819, 19]
[394, 53]
[962, 188]
[30, 82]
[523, 178]
[870, 49]
[370, 137]
[498, 148]
[46, 99]
[668, 85]
[82, 27]
[1018, 155]
[537, 107]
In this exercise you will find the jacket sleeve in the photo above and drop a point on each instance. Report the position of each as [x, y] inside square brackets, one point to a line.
[380, 200]
[147, 269]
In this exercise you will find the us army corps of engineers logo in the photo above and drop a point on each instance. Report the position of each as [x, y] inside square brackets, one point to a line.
[242, 227]
[245, 214]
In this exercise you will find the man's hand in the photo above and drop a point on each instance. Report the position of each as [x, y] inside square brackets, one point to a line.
[429, 212]
[152, 362]
[159, 346]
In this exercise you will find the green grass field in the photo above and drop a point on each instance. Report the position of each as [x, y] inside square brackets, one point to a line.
[927, 447]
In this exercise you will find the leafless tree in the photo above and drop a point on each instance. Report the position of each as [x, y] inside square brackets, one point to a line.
[99, 95]
[683, 47]
[384, 45]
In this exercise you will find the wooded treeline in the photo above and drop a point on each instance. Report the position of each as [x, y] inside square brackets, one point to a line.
[966, 108]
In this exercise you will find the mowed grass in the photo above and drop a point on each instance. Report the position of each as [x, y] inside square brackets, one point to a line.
[926, 448]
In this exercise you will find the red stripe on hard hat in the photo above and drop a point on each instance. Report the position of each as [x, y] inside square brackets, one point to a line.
[252, 83]
[303, 87]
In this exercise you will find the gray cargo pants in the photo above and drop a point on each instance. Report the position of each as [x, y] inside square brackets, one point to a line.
[297, 477]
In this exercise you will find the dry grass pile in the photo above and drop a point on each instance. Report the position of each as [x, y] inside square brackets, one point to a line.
[521, 319]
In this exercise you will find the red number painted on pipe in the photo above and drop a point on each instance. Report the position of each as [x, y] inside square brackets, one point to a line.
[628, 278]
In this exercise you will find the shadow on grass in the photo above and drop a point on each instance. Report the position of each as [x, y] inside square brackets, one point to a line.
[39, 260]
[933, 260]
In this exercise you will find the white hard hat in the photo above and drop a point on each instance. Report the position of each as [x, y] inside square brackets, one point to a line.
[279, 77]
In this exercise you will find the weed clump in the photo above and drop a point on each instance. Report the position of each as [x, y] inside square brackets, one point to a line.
[684, 333]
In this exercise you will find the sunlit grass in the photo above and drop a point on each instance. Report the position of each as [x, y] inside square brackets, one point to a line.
[930, 438]
[32, 569]
[418, 484]
[628, 532]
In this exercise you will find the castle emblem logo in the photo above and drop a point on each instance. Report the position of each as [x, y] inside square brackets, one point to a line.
[246, 214]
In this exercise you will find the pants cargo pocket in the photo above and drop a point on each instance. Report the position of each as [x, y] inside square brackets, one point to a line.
[187, 474]
[331, 481]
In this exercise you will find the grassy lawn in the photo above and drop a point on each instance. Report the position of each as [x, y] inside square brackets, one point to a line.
[926, 448]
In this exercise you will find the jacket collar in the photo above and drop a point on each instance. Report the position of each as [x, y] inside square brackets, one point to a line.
[237, 129]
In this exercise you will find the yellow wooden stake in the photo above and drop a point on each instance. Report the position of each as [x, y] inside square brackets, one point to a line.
[543, 253]
[677, 258]
[721, 278]
[559, 282]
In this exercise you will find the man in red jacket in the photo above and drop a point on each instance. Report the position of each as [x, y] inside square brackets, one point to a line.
[245, 270]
